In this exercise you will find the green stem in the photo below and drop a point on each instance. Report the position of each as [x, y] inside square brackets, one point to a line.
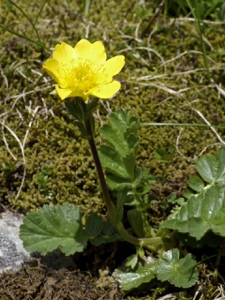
[148, 242]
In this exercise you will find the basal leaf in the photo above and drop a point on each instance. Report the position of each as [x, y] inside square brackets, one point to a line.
[178, 221]
[205, 210]
[221, 164]
[196, 184]
[130, 280]
[108, 234]
[207, 167]
[211, 168]
[135, 218]
[179, 272]
[53, 227]
[94, 225]
[201, 213]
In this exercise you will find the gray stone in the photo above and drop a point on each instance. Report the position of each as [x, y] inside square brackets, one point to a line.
[12, 252]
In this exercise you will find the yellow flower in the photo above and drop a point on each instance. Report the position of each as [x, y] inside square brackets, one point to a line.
[83, 71]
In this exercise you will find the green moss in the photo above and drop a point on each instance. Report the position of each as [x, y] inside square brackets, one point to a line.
[163, 81]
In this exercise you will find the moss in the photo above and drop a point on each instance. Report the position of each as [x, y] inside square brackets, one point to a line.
[43, 159]
[173, 57]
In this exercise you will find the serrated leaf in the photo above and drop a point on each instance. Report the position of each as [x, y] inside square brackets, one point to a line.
[207, 167]
[205, 210]
[221, 164]
[201, 214]
[107, 235]
[53, 227]
[118, 134]
[132, 261]
[119, 152]
[94, 225]
[136, 221]
[179, 272]
[115, 138]
[112, 161]
[131, 280]
[212, 169]
[139, 223]
[117, 183]
[129, 164]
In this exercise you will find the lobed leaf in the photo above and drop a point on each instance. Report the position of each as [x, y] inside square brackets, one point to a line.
[179, 272]
[53, 227]
[212, 169]
[205, 210]
[119, 152]
[201, 214]
[131, 280]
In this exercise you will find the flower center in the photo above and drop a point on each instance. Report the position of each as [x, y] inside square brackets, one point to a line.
[83, 74]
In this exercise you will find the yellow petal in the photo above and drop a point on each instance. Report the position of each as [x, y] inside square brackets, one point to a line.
[67, 93]
[105, 91]
[51, 66]
[63, 93]
[94, 52]
[64, 53]
[114, 65]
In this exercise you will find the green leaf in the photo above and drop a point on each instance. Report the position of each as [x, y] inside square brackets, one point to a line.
[117, 183]
[136, 221]
[132, 261]
[129, 164]
[53, 227]
[203, 211]
[139, 223]
[196, 184]
[100, 231]
[179, 272]
[118, 132]
[112, 161]
[207, 167]
[94, 225]
[163, 155]
[130, 280]
[107, 235]
[119, 152]
[221, 164]
[201, 214]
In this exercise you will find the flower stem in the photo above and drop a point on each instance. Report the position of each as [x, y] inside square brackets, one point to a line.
[148, 242]
[98, 165]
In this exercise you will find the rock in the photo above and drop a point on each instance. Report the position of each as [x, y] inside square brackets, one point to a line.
[12, 252]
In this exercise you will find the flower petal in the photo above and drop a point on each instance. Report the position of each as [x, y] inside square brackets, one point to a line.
[67, 93]
[114, 65]
[64, 53]
[105, 91]
[51, 66]
[94, 52]
[63, 93]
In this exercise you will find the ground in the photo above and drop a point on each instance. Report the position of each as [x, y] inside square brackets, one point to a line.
[43, 157]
